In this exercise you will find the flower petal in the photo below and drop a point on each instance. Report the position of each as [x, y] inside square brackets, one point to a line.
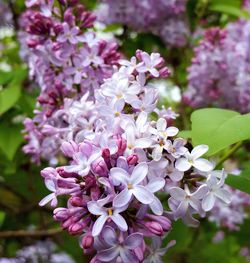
[142, 194]
[224, 195]
[133, 241]
[122, 198]
[120, 222]
[172, 131]
[199, 150]
[156, 206]
[108, 255]
[128, 256]
[155, 184]
[161, 124]
[203, 165]
[119, 175]
[95, 209]
[177, 193]
[47, 199]
[182, 164]
[208, 202]
[157, 152]
[109, 235]
[98, 225]
[139, 173]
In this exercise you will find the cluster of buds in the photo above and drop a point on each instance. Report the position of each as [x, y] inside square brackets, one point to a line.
[66, 59]
[129, 175]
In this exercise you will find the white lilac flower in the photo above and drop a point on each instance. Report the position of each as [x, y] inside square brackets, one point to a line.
[193, 160]
[161, 134]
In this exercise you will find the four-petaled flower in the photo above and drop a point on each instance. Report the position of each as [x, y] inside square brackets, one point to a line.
[193, 159]
[104, 214]
[132, 185]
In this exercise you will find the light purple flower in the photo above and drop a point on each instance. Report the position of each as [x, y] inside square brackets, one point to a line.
[193, 159]
[132, 185]
[104, 214]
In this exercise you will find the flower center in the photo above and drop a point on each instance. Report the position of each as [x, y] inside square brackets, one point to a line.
[117, 114]
[130, 186]
[110, 211]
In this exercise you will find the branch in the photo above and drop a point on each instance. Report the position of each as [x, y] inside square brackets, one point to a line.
[31, 233]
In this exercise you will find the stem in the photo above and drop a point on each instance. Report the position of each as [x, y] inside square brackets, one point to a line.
[229, 153]
[32, 233]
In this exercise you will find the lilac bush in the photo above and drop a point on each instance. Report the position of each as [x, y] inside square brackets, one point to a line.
[164, 18]
[124, 166]
[67, 60]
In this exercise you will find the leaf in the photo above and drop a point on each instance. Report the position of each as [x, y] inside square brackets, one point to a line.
[10, 139]
[2, 217]
[219, 128]
[10, 95]
[230, 10]
[241, 181]
[5, 77]
[185, 134]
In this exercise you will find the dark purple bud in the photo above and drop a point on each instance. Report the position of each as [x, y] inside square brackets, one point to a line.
[87, 241]
[164, 72]
[132, 159]
[155, 228]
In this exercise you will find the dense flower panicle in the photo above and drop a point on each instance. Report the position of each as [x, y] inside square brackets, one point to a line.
[213, 78]
[120, 160]
[164, 18]
[42, 252]
[67, 60]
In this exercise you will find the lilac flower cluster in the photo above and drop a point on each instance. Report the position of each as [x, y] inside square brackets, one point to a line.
[67, 60]
[123, 164]
[40, 252]
[213, 78]
[164, 18]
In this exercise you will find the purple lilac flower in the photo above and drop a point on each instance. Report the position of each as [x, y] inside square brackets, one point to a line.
[67, 61]
[213, 78]
[113, 176]
[166, 18]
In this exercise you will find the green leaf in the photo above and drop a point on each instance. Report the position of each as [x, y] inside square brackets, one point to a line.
[219, 128]
[9, 96]
[2, 217]
[5, 77]
[185, 134]
[10, 139]
[230, 10]
[241, 181]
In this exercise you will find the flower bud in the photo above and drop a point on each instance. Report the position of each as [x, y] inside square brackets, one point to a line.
[87, 241]
[99, 167]
[132, 159]
[75, 229]
[69, 148]
[155, 228]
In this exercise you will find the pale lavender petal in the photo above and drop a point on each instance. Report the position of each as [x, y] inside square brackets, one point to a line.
[108, 255]
[109, 236]
[128, 256]
[143, 143]
[133, 241]
[142, 194]
[224, 195]
[203, 165]
[156, 206]
[172, 131]
[120, 222]
[181, 209]
[182, 164]
[208, 202]
[199, 150]
[155, 184]
[122, 198]
[47, 199]
[139, 173]
[177, 193]
[200, 192]
[99, 223]
[119, 175]
[161, 124]
[95, 209]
